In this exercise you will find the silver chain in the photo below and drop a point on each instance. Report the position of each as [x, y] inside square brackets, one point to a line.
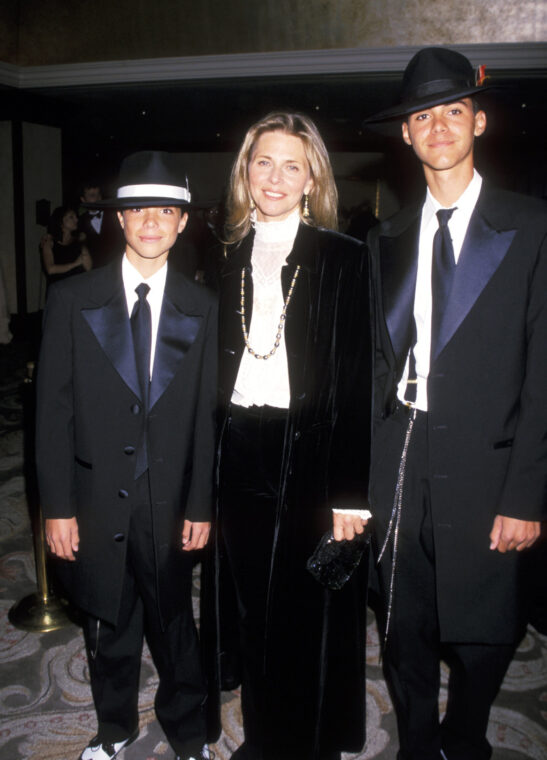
[394, 522]
[282, 318]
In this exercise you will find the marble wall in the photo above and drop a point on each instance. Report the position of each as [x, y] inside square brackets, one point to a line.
[38, 32]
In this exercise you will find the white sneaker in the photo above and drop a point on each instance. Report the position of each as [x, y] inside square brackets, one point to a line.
[105, 751]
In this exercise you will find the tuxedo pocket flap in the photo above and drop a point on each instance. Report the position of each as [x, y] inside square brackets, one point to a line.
[505, 444]
[83, 463]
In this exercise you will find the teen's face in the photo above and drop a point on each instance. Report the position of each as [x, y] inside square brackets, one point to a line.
[279, 175]
[150, 233]
[70, 221]
[442, 137]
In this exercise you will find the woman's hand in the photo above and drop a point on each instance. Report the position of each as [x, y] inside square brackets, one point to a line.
[347, 525]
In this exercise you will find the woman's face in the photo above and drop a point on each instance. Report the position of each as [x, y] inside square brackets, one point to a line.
[70, 221]
[279, 175]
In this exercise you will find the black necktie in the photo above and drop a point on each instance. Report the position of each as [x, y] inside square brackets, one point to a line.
[442, 271]
[141, 327]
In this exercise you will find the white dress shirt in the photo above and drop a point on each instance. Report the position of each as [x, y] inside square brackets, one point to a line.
[96, 220]
[131, 278]
[457, 225]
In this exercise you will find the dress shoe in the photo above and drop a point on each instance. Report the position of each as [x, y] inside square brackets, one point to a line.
[107, 750]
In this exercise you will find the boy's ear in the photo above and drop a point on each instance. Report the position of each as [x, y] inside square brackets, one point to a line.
[406, 136]
[480, 123]
[183, 222]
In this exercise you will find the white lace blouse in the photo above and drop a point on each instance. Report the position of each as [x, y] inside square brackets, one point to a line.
[262, 381]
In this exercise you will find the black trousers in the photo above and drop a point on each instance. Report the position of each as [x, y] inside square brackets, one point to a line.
[114, 652]
[250, 482]
[414, 648]
[251, 467]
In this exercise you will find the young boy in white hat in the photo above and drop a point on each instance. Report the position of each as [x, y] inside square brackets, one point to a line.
[125, 445]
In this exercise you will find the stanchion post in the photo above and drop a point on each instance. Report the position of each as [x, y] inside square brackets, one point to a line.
[42, 611]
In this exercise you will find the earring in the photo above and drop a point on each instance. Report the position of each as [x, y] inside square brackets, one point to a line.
[306, 210]
[252, 205]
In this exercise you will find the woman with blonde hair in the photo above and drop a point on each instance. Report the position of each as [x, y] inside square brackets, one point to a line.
[295, 384]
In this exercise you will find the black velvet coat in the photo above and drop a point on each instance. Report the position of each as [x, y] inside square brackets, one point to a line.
[315, 640]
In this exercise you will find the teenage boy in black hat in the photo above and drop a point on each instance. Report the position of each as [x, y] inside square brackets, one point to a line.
[459, 461]
[125, 444]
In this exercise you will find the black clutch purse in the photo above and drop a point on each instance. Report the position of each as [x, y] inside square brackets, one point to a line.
[333, 562]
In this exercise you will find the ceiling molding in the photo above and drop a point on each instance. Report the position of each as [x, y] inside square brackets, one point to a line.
[504, 56]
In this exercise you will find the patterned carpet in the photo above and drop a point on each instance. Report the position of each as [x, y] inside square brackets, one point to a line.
[45, 701]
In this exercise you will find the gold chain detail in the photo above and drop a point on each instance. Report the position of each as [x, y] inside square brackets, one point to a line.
[282, 318]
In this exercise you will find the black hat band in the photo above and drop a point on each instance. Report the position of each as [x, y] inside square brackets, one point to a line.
[438, 86]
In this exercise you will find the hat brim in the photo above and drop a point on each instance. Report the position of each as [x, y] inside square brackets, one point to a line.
[125, 203]
[419, 104]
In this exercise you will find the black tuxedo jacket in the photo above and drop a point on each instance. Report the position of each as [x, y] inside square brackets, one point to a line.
[90, 418]
[487, 418]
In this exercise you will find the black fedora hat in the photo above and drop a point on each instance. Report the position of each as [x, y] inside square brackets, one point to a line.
[433, 76]
[148, 178]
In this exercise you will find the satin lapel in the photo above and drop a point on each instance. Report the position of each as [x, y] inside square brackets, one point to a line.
[398, 268]
[177, 331]
[483, 250]
[110, 325]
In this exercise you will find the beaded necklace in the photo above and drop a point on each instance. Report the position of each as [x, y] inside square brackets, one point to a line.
[282, 318]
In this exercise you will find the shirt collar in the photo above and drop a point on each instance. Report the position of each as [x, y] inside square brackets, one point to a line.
[277, 232]
[132, 277]
[465, 203]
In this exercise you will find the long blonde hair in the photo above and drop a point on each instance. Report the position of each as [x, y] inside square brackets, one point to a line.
[323, 197]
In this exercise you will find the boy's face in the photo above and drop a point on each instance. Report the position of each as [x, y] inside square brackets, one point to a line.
[442, 136]
[150, 233]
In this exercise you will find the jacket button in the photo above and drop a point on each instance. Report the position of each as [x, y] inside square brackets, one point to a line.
[297, 435]
[119, 537]
[135, 408]
[122, 493]
[129, 450]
